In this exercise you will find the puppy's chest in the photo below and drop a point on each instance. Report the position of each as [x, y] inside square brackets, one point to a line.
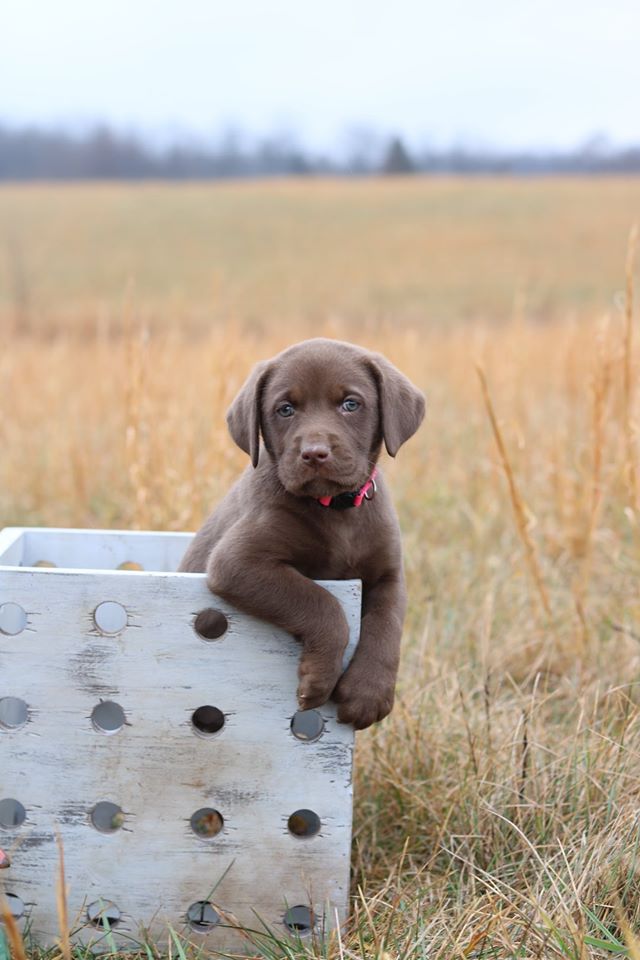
[337, 557]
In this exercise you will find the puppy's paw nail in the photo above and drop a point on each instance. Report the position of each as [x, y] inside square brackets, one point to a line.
[312, 694]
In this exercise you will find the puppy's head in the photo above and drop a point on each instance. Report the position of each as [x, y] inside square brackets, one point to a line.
[323, 408]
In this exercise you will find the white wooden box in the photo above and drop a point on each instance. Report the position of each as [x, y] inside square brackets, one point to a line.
[249, 823]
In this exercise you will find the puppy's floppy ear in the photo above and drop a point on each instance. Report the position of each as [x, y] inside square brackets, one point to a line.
[244, 414]
[402, 405]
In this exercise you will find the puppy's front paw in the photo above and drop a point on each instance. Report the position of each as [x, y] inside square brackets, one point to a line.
[363, 701]
[317, 681]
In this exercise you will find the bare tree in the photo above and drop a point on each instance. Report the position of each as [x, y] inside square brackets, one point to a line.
[397, 159]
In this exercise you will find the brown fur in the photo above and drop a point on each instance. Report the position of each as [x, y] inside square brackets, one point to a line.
[269, 538]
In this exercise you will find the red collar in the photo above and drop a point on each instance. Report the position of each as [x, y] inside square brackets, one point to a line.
[353, 498]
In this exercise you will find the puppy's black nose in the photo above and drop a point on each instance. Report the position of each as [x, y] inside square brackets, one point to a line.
[315, 453]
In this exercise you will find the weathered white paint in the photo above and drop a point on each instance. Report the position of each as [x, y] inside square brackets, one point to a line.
[92, 549]
[157, 768]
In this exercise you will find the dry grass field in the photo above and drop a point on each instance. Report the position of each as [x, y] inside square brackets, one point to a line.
[498, 809]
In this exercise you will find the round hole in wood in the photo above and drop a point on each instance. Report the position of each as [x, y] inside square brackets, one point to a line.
[107, 817]
[108, 717]
[130, 565]
[210, 624]
[13, 619]
[44, 563]
[299, 920]
[207, 720]
[307, 725]
[206, 823]
[12, 813]
[202, 916]
[14, 713]
[110, 617]
[104, 914]
[304, 823]
[16, 906]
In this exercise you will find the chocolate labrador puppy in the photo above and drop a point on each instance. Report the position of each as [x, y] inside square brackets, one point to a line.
[313, 506]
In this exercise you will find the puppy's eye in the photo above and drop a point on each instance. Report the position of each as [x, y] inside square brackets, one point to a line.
[350, 405]
[285, 410]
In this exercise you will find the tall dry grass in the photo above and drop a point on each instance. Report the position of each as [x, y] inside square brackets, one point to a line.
[498, 809]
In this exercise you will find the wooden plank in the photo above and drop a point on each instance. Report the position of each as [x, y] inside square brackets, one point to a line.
[158, 769]
[101, 549]
[12, 546]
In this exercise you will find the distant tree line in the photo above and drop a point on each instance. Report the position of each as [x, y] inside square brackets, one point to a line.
[34, 153]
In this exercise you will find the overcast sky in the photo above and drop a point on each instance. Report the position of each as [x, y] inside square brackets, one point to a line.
[496, 72]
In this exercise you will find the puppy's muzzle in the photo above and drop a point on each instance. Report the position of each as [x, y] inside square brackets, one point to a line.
[316, 454]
